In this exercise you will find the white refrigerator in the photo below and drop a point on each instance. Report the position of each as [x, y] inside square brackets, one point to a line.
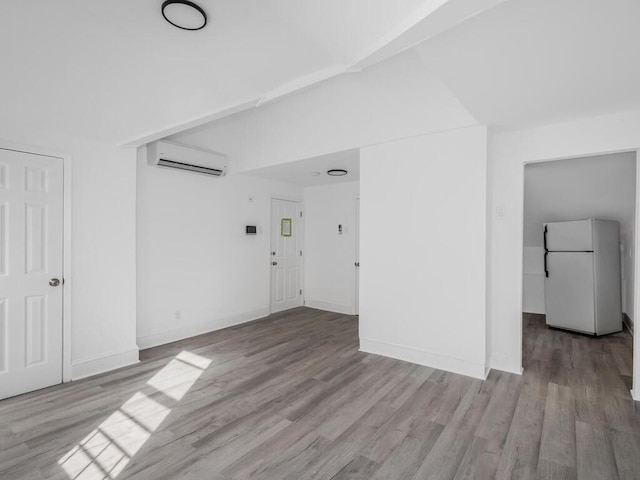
[582, 276]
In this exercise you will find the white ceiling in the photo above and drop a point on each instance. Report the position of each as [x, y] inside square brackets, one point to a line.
[116, 71]
[528, 62]
[109, 69]
[591, 187]
[517, 64]
[393, 99]
[299, 172]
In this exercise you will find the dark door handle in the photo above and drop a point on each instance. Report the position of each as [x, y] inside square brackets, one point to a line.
[357, 264]
[546, 272]
[274, 263]
[544, 238]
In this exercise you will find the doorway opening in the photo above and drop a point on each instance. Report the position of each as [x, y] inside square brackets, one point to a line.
[327, 255]
[579, 270]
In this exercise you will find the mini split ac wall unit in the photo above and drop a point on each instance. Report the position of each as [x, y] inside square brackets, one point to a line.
[183, 157]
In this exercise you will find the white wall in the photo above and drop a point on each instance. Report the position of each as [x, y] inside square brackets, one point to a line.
[508, 153]
[197, 269]
[104, 258]
[599, 186]
[102, 277]
[423, 218]
[394, 99]
[329, 256]
[398, 98]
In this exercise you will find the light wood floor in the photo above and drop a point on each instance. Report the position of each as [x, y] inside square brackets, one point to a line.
[290, 397]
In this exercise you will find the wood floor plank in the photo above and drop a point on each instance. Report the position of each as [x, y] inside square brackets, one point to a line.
[622, 355]
[407, 457]
[347, 446]
[496, 420]
[595, 455]
[481, 460]
[521, 451]
[360, 468]
[447, 454]
[558, 442]
[625, 448]
[290, 397]
[552, 471]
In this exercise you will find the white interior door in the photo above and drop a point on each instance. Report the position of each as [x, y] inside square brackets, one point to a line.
[357, 263]
[31, 246]
[286, 255]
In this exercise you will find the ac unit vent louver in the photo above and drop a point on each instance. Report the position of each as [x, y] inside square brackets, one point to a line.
[183, 157]
[163, 162]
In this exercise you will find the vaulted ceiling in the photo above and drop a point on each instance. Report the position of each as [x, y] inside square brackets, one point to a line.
[529, 62]
[516, 64]
[115, 70]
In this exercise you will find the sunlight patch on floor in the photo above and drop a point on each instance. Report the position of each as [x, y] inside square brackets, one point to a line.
[179, 375]
[105, 452]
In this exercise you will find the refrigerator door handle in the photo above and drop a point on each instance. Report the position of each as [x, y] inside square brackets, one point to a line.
[544, 238]
[546, 272]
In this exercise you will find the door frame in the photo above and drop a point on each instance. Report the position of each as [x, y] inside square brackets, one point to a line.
[66, 242]
[635, 390]
[356, 296]
[302, 243]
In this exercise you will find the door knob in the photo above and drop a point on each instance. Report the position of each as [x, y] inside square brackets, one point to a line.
[54, 282]
[274, 263]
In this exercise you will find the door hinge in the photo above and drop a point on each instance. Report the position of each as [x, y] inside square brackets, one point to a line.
[300, 214]
[300, 252]
[300, 291]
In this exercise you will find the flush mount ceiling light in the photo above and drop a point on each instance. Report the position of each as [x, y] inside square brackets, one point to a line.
[184, 14]
[336, 172]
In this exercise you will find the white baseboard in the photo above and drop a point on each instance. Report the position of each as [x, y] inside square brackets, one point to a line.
[499, 362]
[192, 330]
[635, 395]
[329, 307]
[421, 357]
[103, 363]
